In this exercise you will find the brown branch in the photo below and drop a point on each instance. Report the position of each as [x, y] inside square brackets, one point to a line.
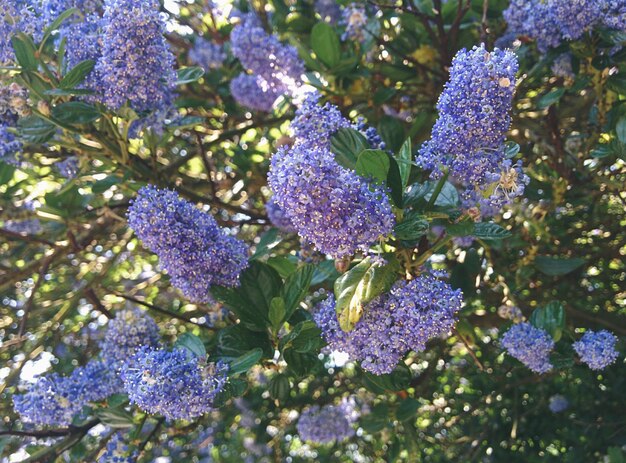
[91, 296]
[470, 350]
[23, 237]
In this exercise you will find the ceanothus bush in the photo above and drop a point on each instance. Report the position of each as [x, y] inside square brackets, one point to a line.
[312, 231]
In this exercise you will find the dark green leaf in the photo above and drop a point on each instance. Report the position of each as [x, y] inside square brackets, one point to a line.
[555, 266]
[490, 231]
[463, 228]
[413, 227]
[77, 74]
[394, 182]
[58, 21]
[36, 130]
[279, 387]
[392, 132]
[407, 409]
[347, 144]
[234, 341]
[245, 362]
[373, 164]
[305, 337]
[448, 197]
[300, 364]
[268, 241]
[550, 98]
[620, 129]
[189, 74]
[192, 343]
[25, 50]
[325, 44]
[511, 149]
[397, 380]
[550, 318]
[277, 312]
[260, 283]
[6, 172]
[295, 288]
[117, 418]
[404, 159]
[76, 112]
[116, 400]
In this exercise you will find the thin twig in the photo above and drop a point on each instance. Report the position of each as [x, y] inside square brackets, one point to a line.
[469, 349]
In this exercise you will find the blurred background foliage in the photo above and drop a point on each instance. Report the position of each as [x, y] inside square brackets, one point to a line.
[463, 399]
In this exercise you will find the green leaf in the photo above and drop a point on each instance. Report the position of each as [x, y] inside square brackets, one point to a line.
[268, 241]
[300, 364]
[397, 380]
[413, 227]
[192, 343]
[463, 228]
[279, 387]
[404, 160]
[36, 130]
[555, 266]
[295, 288]
[324, 271]
[117, 400]
[550, 318]
[348, 309]
[6, 172]
[117, 418]
[57, 22]
[76, 112]
[325, 44]
[347, 144]
[77, 74]
[67, 202]
[620, 129]
[394, 182]
[511, 149]
[234, 341]
[277, 312]
[373, 164]
[392, 132]
[245, 362]
[490, 231]
[189, 74]
[260, 283]
[550, 98]
[407, 409]
[305, 337]
[448, 197]
[25, 50]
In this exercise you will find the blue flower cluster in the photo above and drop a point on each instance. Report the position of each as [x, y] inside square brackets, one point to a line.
[404, 319]
[10, 146]
[330, 206]
[191, 247]
[328, 10]
[277, 217]
[326, 424]
[253, 92]
[84, 42]
[173, 383]
[357, 23]
[68, 167]
[117, 451]
[468, 137]
[130, 330]
[136, 64]
[597, 349]
[562, 66]
[549, 22]
[13, 103]
[264, 56]
[55, 400]
[207, 54]
[558, 403]
[16, 16]
[529, 345]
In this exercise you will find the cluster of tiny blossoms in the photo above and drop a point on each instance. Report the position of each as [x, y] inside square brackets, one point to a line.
[13, 103]
[597, 349]
[253, 92]
[16, 16]
[404, 319]
[55, 400]
[468, 137]
[558, 403]
[531, 346]
[136, 64]
[173, 383]
[326, 424]
[192, 248]
[549, 22]
[117, 451]
[329, 205]
[277, 216]
[264, 56]
[127, 332]
[207, 54]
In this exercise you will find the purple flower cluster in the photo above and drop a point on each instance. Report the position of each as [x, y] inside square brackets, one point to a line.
[10, 146]
[84, 42]
[404, 319]
[117, 451]
[16, 16]
[549, 22]
[130, 330]
[68, 167]
[207, 54]
[253, 92]
[173, 383]
[355, 19]
[54, 399]
[329, 205]
[558, 403]
[263, 55]
[277, 217]
[191, 247]
[597, 349]
[329, 10]
[562, 66]
[136, 64]
[326, 424]
[315, 124]
[468, 137]
[529, 345]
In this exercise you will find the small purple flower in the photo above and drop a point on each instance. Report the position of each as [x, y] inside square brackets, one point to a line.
[558, 403]
[130, 330]
[207, 54]
[253, 92]
[326, 424]
[531, 346]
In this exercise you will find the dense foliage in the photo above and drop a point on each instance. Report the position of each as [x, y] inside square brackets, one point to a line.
[296, 230]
